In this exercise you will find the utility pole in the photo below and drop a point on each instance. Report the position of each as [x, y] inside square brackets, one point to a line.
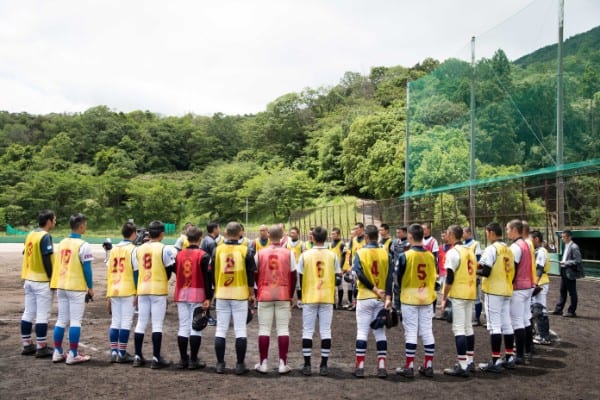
[560, 181]
[472, 144]
[406, 161]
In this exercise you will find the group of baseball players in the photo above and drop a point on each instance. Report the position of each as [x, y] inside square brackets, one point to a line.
[236, 276]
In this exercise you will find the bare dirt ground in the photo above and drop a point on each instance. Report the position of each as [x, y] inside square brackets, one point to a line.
[568, 369]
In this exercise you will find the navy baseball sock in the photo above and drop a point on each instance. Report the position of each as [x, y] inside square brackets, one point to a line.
[240, 349]
[520, 341]
[325, 349]
[528, 339]
[138, 340]
[26, 328]
[496, 342]
[182, 343]
[220, 348]
[306, 350]
[156, 344]
[195, 342]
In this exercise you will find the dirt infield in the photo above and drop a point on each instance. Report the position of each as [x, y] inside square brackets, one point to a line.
[568, 369]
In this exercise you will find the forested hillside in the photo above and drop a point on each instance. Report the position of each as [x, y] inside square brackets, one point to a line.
[345, 139]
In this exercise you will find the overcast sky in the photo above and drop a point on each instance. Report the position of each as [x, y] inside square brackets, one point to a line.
[173, 56]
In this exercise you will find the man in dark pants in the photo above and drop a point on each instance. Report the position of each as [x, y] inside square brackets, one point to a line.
[570, 270]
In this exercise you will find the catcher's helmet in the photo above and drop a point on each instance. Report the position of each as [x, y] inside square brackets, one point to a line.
[200, 319]
[250, 314]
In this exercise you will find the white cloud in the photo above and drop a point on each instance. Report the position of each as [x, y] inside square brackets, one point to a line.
[236, 56]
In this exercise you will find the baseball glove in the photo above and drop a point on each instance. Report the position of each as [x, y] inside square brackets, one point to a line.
[250, 315]
[387, 318]
[200, 319]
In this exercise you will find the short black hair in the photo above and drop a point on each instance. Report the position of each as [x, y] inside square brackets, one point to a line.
[128, 229]
[319, 234]
[44, 216]
[537, 234]
[194, 234]
[385, 226]
[155, 228]
[372, 232]
[76, 220]
[494, 227]
[457, 231]
[417, 232]
[210, 227]
[568, 232]
[518, 224]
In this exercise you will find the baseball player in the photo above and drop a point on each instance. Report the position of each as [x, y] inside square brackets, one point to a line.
[193, 289]
[337, 246]
[182, 241]
[539, 304]
[416, 277]
[121, 284]
[357, 242]
[441, 271]
[276, 280]
[399, 246]
[155, 262]
[234, 289]
[520, 304]
[317, 268]
[497, 269]
[372, 267]
[72, 278]
[475, 247]
[430, 243]
[36, 271]
[297, 247]
[460, 287]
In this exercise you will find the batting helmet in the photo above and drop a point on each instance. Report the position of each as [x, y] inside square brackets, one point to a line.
[250, 314]
[200, 319]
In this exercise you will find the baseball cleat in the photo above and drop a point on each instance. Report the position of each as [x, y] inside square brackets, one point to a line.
[78, 359]
[457, 370]
[284, 368]
[58, 357]
[240, 369]
[114, 355]
[262, 367]
[139, 361]
[44, 352]
[491, 366]
[382, 373]
[323, 370]
[196, 364]
[509, 362]
[124, 359]
[405, 372]
[159, 363]
[220, 368]
[306, 370]
[359, 372]
[28, 350]
[426, 371]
